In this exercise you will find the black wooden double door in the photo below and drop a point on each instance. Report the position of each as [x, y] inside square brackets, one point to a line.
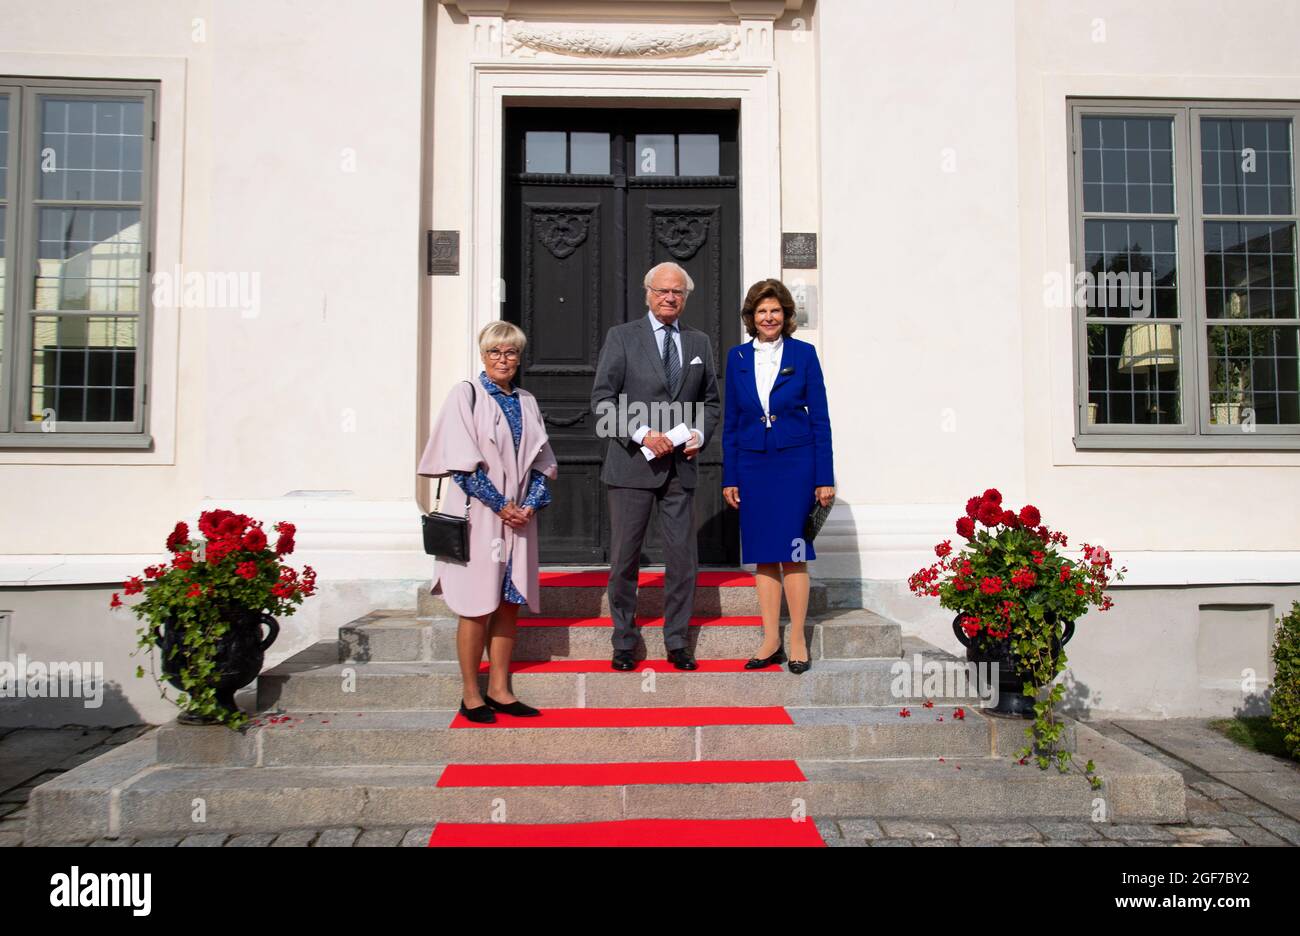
[593, 199]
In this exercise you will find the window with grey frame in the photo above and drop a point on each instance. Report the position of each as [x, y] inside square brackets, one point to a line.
[1184, 243]
[75, 228]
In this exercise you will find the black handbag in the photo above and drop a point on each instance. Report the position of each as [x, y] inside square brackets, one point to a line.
[812, 524]
[447, 536]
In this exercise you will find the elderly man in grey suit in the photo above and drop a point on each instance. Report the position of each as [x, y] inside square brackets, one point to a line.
[654, 377]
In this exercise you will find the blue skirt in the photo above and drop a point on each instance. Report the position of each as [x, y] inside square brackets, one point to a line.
[776, 495]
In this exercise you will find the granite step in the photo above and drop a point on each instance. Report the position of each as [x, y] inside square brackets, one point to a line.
[584, 593]
[395, 636]
[128, 792]
[588, 735]
[300, 685]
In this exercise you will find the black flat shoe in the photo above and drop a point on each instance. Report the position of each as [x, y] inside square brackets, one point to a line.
[624, 660]
[516, 708]
[761, 662]
[683, 659]
[800, 666]
[481, 714]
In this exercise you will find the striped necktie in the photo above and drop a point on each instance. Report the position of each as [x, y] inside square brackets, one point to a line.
[672, 363]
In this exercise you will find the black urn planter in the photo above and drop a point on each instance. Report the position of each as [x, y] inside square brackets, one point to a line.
[240, 654]
[1012, 700]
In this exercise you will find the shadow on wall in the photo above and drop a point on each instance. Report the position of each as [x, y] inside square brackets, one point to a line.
[97, 707]
[1254, 704]
[1080, 699]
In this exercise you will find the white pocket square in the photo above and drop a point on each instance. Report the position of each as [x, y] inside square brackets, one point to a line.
[696, 361]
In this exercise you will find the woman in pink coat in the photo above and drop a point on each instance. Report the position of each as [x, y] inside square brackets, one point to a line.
[491, 439]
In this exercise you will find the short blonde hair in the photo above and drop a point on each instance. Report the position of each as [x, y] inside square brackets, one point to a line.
[501, 333]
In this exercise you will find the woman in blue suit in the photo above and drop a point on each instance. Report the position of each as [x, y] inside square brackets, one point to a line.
[776, 445]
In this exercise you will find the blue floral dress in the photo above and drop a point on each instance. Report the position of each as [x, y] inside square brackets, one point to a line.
[480, 485]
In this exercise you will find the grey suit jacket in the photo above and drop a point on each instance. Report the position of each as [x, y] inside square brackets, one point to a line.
[631, 390]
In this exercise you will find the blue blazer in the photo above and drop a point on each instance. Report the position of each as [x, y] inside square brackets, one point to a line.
[798, 402]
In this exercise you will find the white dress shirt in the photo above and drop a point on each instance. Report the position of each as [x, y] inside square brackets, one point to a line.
[659, 330]
[767, 364]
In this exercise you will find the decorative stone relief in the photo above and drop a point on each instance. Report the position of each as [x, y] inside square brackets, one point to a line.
[527, 39]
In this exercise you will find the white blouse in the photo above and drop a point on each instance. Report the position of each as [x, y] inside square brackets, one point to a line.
[767, 364]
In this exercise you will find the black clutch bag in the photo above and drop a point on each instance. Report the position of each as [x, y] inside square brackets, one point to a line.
[812, 524]
[447, 536]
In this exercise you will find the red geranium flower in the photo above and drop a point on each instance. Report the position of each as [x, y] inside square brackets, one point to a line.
[247, 569]
[179, 537]
[960, 714]
[255, 540]
[284, 544]
[133, 585]
[991, 585]
[116, 602]
[904, 713]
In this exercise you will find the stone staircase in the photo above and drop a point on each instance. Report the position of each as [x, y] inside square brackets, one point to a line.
[363, 731]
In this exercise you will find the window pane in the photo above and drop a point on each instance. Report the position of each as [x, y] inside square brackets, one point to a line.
[4, 283]
[1128, 164]
[1254, 375]
[1250, 270]
[89, 258]
[589, 153]
[700, 153]
[544, 151]
[1246, 166]
[655, 154]
[91, 149]
[83, 368]
[1133, 374]
[1133, 268]
[4, 146]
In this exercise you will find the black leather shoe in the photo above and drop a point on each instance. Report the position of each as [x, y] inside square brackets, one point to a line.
[682, 658]
[800, 666]
[761, 662]
[624, 660]
[481, 714]
[516, 708]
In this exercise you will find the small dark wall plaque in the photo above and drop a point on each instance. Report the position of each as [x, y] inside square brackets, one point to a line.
[799, 251]
[444, 253]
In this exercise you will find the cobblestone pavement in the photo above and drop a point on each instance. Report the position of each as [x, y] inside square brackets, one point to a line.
[1217, 814]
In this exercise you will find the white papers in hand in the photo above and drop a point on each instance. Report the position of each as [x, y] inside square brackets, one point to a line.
[677, 435]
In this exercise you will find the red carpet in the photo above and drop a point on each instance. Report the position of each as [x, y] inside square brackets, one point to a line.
[600, 579]
[689, 717]
[730, 620]
[602, 666]
[619, 774]
[634, 833]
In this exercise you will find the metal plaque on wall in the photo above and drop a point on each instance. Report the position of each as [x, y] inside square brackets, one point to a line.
[799, 251]
[444, 253]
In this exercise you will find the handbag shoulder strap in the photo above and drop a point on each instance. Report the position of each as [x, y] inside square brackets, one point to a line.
[473, 398]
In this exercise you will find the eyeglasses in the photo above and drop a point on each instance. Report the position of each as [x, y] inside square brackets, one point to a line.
[496, 354]
[676, 293]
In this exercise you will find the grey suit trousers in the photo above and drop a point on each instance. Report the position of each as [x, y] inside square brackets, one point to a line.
[629, 516]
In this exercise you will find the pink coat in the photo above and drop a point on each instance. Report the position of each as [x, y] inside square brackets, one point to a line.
[461, 441]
